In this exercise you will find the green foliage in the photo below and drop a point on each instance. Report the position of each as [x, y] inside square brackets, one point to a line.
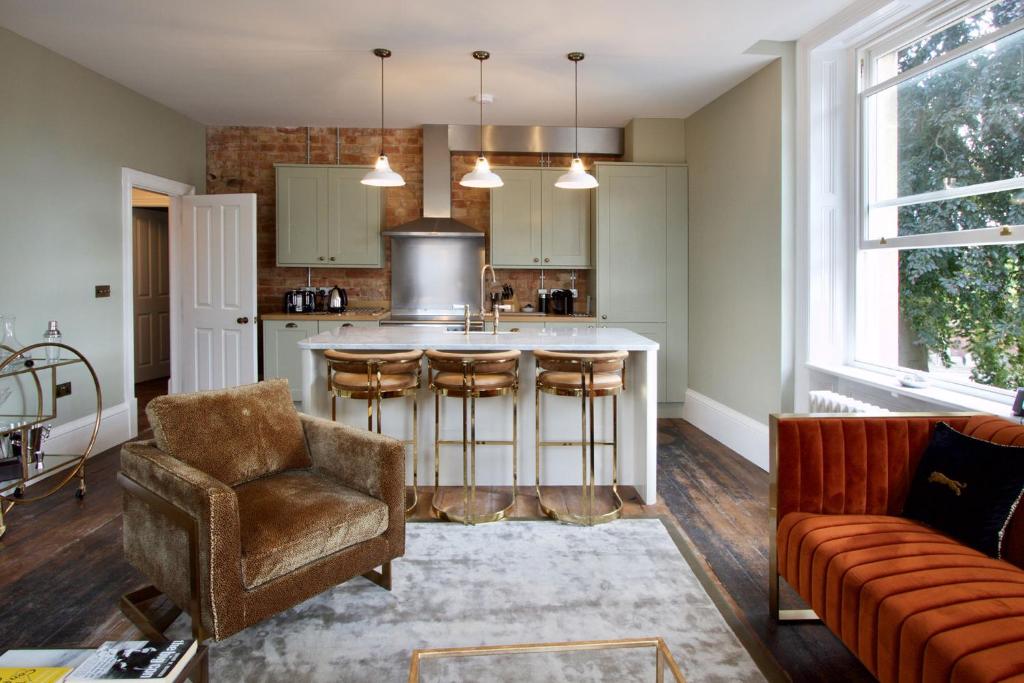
[964, 123]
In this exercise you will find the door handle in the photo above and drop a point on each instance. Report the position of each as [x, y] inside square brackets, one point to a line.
[332, 258]
[547, 260]
[346, 324]
[292, 325]
[242, 321]
[536, 260]
[321, 258]
[604, 317]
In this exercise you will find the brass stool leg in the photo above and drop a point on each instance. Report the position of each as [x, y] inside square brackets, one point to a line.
[515, 445]
[437, 445]
[415, 459]
[536, 443]
[593, 449]
[471, 515]
[465, 451]
[583, 441]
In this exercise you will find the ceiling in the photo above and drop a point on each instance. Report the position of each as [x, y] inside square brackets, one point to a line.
[309, 62]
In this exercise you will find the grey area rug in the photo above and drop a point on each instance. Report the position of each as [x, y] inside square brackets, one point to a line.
[504, 583]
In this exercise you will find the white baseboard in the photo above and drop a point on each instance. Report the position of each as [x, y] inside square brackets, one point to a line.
[741, 433]
[73, 437]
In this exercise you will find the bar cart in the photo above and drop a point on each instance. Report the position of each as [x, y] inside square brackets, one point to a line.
[33, 367]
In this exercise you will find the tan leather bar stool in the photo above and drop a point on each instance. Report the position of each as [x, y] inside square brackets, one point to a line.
[586, 375]
[375, 376]
[471, 375]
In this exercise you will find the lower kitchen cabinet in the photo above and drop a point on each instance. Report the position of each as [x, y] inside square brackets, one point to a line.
[281, 356]
[281, 351]
[658, 332]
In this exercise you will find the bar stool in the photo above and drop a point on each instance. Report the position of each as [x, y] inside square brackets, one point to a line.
[587, 375]
[471, 375]
[375, 376]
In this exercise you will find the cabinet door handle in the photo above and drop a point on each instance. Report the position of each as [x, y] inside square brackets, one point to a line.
[321, 258]
[332, 258]
[547, 260]
[536, 259]
[242, 321]
[292, 325]
[604, 317]
[346, 324]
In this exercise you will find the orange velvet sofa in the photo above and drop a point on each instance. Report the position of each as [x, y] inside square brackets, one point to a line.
[910, 602]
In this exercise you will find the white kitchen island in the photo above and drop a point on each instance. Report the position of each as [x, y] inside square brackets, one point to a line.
[560, 416]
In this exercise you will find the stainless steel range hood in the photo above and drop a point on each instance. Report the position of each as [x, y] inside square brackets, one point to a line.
[440, 140]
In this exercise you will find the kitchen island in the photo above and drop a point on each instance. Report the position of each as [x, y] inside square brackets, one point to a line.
[560, 465]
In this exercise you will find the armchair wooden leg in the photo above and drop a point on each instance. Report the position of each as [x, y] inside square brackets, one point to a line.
[132, 605]
[381, 578]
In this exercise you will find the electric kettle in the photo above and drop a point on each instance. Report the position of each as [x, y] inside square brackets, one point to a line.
[337, 300]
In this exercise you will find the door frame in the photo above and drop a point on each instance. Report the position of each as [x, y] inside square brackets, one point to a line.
[175, 190]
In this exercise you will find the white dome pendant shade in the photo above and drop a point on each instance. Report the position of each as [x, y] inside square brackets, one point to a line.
[481, 175]
[577, 177]
[382, 175]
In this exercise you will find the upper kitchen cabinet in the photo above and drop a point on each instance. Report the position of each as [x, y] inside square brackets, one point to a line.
[516, 219]
[326, 217]
[535, 225]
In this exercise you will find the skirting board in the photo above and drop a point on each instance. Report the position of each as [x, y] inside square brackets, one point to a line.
[73, 437]
[741, 433]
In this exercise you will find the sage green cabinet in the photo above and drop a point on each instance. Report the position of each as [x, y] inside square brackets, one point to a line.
[516, 220]
[327, 217]
[536, 225]
[281, 357]
[641, 254]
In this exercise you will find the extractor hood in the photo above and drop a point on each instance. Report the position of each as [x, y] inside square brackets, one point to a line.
[440, 140]
[437, 218]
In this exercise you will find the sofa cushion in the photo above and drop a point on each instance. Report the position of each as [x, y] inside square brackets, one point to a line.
[291, 519]
[912, 603]
[234, 435]
[968, 487]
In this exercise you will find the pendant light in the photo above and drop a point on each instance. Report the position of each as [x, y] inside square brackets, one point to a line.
[481, 175]
[577, 178]
[382, 175]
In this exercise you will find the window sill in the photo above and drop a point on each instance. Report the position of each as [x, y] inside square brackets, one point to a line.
[944, 398]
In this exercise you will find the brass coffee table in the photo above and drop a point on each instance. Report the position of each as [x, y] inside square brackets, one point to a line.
[510, 662]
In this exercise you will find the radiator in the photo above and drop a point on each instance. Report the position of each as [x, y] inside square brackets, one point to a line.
[831, 402]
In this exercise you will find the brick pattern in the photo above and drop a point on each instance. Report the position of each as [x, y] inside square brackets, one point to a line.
[241, 159]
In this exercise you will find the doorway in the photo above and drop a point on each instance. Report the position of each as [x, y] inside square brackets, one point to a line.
[151, 297]
[149, 210]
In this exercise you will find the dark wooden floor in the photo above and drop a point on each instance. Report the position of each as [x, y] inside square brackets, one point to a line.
[62, 570]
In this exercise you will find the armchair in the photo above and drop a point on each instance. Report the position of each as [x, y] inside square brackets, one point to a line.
[241, 507]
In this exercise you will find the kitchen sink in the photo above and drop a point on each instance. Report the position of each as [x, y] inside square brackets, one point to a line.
[481, 332]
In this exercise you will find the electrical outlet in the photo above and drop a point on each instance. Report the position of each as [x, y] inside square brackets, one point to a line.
[63, 389]
[102, 291]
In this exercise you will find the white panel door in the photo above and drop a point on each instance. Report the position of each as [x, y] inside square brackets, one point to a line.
[217, 258]
[152, 302]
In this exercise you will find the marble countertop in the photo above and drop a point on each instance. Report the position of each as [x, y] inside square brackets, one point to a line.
[406, 337]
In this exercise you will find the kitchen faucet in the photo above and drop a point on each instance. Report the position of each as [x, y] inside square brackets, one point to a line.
[494, 281]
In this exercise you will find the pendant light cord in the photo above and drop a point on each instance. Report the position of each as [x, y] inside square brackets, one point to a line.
[381, 106]
[576, 103]
[481, 107]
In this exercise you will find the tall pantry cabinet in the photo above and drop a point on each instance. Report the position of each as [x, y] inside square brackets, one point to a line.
[641, 253]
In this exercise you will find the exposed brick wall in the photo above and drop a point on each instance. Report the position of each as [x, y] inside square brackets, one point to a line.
[241, 159]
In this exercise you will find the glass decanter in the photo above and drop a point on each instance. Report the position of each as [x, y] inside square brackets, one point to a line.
[9, 340]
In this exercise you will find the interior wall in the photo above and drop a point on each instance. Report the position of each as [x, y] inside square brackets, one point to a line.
[734, 152]
[66, 129]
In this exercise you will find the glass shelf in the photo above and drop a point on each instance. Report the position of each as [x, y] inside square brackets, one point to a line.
[18, 367]
[15, 423]
[51, 465]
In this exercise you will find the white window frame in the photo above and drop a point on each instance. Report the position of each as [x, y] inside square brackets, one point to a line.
[866, 55]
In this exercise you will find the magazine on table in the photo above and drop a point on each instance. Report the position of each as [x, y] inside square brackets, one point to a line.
[135, 660]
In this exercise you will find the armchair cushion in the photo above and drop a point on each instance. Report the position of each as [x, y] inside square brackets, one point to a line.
[234, 435]
[295, 518]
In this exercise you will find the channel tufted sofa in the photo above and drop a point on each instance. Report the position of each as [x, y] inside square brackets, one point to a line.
[910, 602]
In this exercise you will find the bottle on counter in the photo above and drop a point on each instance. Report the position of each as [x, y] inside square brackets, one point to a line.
[542, 301]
